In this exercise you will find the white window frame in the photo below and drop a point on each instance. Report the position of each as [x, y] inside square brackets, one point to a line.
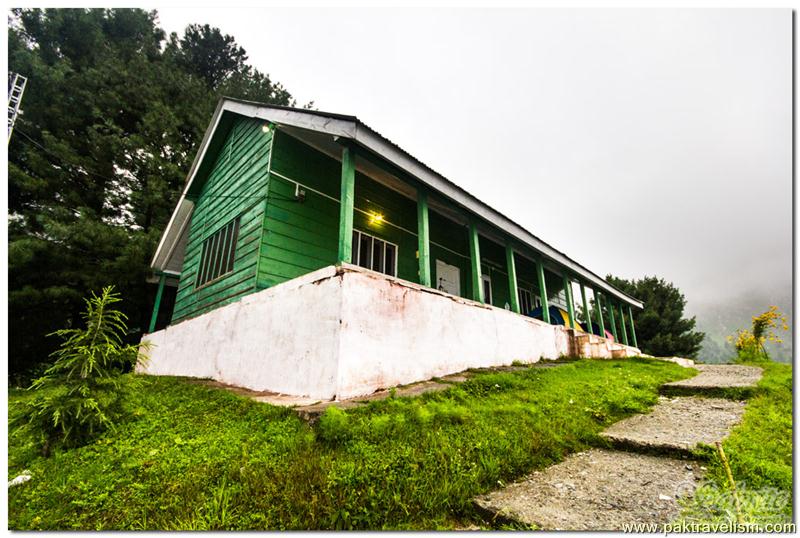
[522, 293]
[488, 279]
[356, 252]
[533, 299]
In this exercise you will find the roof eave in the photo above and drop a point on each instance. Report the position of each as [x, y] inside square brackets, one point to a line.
[352, 128]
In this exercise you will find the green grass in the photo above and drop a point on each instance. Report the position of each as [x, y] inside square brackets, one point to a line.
[760, 454]
[193, 457]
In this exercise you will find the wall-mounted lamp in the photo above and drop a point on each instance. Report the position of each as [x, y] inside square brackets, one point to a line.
[299, 194]
[375, 218]
[266, 128]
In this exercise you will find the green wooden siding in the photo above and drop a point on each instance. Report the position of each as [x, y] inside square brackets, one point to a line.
[493, 264]
[281, 237]
[526, 277]
[300, 237]
[235, 187]
[450, 244]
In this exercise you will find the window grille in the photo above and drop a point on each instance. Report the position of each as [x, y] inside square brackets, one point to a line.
[219, 252]
[373, 253]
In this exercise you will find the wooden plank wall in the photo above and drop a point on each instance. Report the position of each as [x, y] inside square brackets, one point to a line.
[236, 187]
[300, 237]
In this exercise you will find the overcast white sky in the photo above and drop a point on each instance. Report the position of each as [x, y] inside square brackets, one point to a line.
[638, 142]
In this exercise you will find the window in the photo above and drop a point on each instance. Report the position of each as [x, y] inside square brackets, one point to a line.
[524, 301]
[373, 253]
[527, 301]
[560, 299]
[219, 251]
[487, 289]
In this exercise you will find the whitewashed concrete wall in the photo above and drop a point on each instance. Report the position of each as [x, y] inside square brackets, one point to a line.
[283, 339]
[395, 332]
[348, 332]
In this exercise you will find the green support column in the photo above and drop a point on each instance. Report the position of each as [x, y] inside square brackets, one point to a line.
[475, 261]
[512, 279]
[570, 304]
[161, 280]
[599, 308]
[423, 235]
[633, 329]
[622, 324]
[543, 291]
[610, 306]
[587, 316]
[346, 206]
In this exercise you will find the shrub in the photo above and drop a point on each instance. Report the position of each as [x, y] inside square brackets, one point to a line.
[80, 395]
[334, 426]
[750, 343]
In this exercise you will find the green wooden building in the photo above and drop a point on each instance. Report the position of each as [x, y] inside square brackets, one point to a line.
[275, 193]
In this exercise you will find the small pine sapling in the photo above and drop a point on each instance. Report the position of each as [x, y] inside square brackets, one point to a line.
[80, 395]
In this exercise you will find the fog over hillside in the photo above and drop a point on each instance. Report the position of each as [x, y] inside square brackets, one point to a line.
[722, 318]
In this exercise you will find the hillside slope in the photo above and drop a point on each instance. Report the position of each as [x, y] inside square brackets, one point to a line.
[193, 457]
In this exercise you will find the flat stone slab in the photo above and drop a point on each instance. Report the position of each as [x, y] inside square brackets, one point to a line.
[719, 376]
[686, 363]
[274, 398]
[677, 425]
[311, 413]
[455, 378]
[406, 390]
[598, 490]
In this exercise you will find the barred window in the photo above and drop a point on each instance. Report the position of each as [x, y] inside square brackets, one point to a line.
[219, 251]
[373, 253]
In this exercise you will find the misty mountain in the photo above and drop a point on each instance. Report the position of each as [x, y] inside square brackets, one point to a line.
[723, 318]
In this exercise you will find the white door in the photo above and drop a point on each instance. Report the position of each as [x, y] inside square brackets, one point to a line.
[448, 278]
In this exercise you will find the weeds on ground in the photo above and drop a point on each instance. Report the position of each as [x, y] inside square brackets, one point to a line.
[194, 457]
[760, 454]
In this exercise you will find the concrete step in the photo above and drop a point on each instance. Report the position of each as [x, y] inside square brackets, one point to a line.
[677, 425]
[597, 490]
[717, 378]
[618, 352]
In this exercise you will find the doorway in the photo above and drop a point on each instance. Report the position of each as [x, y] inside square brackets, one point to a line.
[448, 278]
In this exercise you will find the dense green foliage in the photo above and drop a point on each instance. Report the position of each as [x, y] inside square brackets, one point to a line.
[661, 329]
[194, 457]
[111, 117]
[80, 395]
[760, 454]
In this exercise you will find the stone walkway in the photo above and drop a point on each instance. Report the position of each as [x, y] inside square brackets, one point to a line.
[311, 413]
[603, 490]
[595, 490]
[311, 409]
[714, 377]
[677, 425]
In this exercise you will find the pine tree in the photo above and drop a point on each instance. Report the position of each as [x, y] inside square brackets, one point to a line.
[111, 119]
[661, 329]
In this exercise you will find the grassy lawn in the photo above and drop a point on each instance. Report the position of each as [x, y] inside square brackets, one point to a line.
[193, 457]
[760, 454]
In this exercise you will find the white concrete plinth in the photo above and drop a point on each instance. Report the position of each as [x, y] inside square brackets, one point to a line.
[346, 332]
